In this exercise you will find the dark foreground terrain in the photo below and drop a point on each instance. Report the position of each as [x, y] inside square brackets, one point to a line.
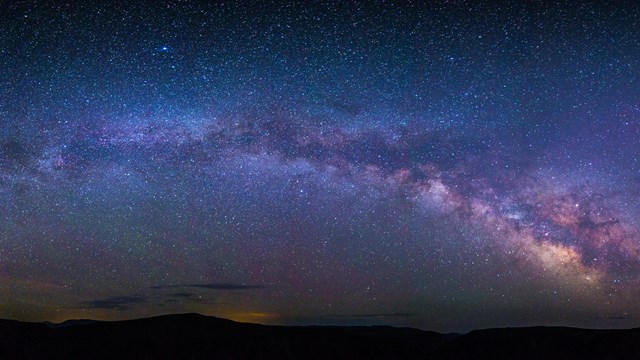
[195, 336]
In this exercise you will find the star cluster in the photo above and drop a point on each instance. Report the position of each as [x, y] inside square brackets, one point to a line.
[445, 165]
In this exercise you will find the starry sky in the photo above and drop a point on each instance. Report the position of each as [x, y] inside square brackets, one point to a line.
[446, 165]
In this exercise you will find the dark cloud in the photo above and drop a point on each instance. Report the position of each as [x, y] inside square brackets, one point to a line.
[120, 303]
[214, 286]
[124, 303]
[182, 295]
[379, 315]
[185, 296]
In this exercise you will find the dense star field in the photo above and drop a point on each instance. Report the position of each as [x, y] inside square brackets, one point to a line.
[443, 165]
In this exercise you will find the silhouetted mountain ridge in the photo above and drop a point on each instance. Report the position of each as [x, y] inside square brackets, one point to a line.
[195, 336]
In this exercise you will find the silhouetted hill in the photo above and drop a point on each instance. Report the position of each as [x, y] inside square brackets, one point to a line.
[193, 336]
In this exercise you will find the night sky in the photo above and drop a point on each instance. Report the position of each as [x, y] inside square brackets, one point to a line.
[447, 165]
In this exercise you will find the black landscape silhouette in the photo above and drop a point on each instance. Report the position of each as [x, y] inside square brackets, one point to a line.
[194, 336]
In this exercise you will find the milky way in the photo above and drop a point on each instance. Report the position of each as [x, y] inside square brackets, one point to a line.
[446, 165]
